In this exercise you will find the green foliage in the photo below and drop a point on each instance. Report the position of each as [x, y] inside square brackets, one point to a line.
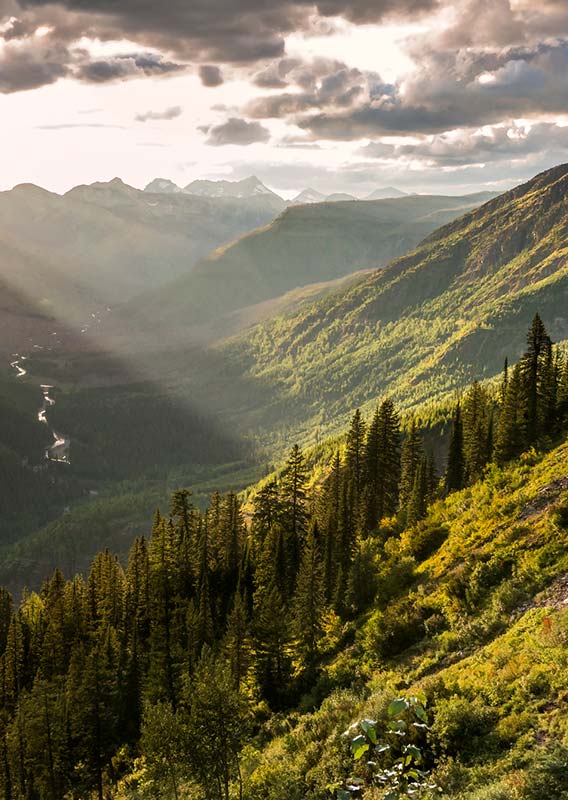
[397, 766]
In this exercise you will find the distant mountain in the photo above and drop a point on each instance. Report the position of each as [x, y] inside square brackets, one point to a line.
[245, 189]
[313, 196]
[306, 244]
[308, 196]
[386, 192]
[431, 321]
[109, 241]
[163, 186]
[248, 187]
[339, 197]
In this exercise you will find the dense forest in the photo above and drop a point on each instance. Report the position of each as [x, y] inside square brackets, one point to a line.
[150, 680]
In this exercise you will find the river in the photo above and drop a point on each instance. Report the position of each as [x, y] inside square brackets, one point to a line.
[60, 449]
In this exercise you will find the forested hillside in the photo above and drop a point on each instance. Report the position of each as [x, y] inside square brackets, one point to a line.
[304, 245]
[431, 321]
[232, 651]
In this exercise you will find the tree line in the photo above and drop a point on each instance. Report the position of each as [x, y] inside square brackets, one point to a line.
[234, 608]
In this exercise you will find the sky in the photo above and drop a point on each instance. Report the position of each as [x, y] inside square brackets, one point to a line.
[425, 95]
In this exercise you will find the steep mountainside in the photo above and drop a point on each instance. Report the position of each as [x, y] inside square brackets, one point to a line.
[306, 244]
[448, 311]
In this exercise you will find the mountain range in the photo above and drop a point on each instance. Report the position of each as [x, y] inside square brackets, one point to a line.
[98, 245]
[253, 187]
[305, 244]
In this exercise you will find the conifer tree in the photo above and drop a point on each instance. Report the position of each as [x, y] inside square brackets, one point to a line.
[355, 457]
[418, 502]
[272, 647]
[309, 603]
[476, 419]
[266, 510]
[164, 634]
[455, 469]
[411, 456]
[294, 508]
[382, 465]
[536, 376]
[237, 643]
[511, 428]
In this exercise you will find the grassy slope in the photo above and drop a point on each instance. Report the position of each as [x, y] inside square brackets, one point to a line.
[305, 244]
[431, 321]
[482, 628]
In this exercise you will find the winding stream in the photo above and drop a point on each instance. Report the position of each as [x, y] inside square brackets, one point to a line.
[59, 450]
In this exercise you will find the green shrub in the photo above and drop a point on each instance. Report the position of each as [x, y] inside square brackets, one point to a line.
[389, 632]
[463, 727]
[424, 540]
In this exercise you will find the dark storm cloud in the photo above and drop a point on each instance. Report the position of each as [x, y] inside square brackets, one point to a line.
[168, 113]
[236, 131]
[229, 30]
[210, 75]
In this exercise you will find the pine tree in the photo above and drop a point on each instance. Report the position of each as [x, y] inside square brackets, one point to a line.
[535, 371]
[237, 644]
[411, 457]
[355, 457]
[309, 603]
[164, 632]
[272, 647]
[266, 510]
[294, 508]
[455, 469]
[476, 417]
[418, 502]
[382, 465]
[511, 428]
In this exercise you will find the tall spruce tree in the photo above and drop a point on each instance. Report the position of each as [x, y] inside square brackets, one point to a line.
[455, 469]
[411, 456]
[382, 465]
[309, 603]
[294, 505]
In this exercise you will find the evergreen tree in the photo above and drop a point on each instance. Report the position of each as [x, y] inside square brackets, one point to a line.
[237, 644]
[476, 418]
[411, 457]
[266, 510]
[455, 469]
[294, 508]
[418, 502]
[536, 369]
[511, 428]
[382, 465]
[355, 457]
[309, 603]
[272, 647]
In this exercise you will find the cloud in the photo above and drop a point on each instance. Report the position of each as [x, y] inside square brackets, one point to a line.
[512, 143]
[207, 32]
[210, 75]
[32, 65]
[125, 66]
[236, 131]
[64, 125]
[449, 89]
[166, 114]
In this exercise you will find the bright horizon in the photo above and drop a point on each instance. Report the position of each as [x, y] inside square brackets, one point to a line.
[344, 99]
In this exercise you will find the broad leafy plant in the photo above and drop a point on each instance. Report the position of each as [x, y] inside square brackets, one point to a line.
[396, 767]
